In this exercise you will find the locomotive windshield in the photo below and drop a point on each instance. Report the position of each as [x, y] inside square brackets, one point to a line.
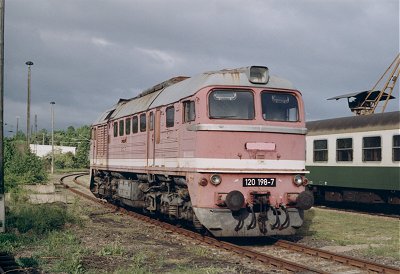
[231, 104]
[279, 107]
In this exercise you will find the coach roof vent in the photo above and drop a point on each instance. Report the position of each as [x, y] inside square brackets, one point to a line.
[258, 74]
[163, 85]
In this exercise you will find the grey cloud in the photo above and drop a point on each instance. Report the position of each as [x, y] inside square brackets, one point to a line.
[87, 54]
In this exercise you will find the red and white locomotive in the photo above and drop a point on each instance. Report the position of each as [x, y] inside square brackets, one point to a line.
[224, 151]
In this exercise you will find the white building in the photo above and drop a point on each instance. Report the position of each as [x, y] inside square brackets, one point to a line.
[43, 150]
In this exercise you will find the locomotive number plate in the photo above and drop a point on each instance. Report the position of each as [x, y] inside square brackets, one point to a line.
[259, 182]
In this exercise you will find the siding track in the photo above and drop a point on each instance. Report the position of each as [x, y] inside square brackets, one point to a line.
[246, 252]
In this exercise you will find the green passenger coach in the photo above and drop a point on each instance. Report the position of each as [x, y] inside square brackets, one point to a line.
[355, 159]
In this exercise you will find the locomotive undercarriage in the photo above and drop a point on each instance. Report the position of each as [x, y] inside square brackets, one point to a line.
[154, 194]
[169, 197]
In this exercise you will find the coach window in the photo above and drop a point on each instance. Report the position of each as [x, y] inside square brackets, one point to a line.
[115, 129]
[128, 126]
[143, 122]
[279, 107]
[372, 150]
[121, 128]
[231, 104]
[189, 113]
[135, 124]
[170, 116]
[396, 148]
[320, 150]
[344, 150]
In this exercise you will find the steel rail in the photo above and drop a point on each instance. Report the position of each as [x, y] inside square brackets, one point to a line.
[347, 260]
[361, 212]
[247, 252]
[8, 264]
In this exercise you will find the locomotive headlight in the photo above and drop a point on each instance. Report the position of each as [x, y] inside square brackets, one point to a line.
[298, 180]
[258, 75]
[216, 179]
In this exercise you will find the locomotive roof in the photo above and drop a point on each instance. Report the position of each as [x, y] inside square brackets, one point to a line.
[181, 87]
[373, 122]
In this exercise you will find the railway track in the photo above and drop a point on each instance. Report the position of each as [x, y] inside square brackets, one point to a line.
[248, 252]
[8, 264]
[358, 211]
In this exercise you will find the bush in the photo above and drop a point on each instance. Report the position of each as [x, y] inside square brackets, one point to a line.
[21, 166]
[65, 161]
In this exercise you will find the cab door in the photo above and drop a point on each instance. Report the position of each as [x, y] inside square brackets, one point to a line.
[153, 136]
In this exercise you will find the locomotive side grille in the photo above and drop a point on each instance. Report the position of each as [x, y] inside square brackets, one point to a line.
[101, 138]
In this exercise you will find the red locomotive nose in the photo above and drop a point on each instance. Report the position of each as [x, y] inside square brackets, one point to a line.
[234, 200]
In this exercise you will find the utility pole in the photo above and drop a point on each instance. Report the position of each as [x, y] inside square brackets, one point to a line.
[35, 141]
[2, 197]
[52, 137]
[28, 105]
[35, 127]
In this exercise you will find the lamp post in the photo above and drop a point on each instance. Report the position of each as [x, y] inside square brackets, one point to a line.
[16, 133]
[52, 136]
[28, 105]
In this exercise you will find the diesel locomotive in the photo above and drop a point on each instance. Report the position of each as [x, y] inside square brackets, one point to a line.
[223, 151]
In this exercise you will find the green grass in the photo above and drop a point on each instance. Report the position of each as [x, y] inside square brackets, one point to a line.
[380, 234]
[199, 251]
[61, 251]
[39, 230]
[113, 249]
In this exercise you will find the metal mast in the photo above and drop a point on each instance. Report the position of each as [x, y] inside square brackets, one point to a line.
[369, 105]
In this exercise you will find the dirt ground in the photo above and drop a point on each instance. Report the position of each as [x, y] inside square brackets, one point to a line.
[117, 243]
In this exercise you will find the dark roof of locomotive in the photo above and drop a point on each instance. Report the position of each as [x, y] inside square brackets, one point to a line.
[373, 122]
[181, 87]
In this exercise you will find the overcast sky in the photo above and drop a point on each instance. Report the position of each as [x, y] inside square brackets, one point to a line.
[89, 53]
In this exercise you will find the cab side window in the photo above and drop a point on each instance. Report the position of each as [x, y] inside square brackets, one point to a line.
[121, 128]
[142, 122]
[189, 113]
[170, 116]
[115, 129]
[128, 126]
[135, 124]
